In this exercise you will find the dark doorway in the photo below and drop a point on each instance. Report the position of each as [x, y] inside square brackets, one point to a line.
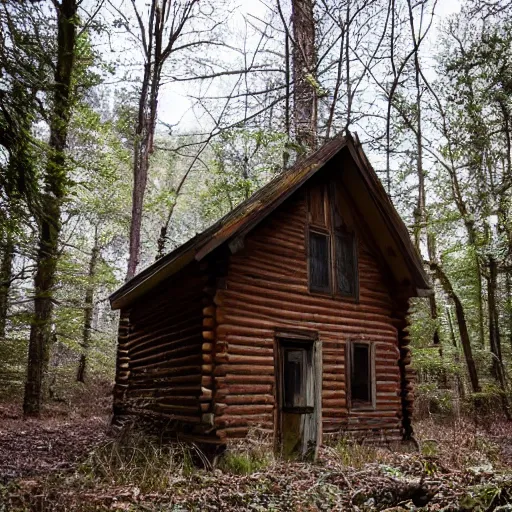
[297, 394]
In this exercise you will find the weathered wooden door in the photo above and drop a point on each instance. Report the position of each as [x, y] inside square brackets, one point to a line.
[299, 407]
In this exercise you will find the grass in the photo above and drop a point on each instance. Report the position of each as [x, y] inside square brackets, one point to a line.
[252, 454]
[138, 472]
[352, 453]
[138, 457]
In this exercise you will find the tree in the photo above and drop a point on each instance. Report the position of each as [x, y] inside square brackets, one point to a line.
[305, 91]
[55, 190]
[160, 36]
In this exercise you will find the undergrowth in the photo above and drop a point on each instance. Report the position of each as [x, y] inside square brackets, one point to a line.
[254, 453]
[351, 453]
[458, 467]
[138, 457]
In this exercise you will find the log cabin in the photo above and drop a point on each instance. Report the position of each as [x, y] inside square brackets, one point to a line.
[288, 315]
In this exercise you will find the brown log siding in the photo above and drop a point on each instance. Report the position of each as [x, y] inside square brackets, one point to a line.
[267, 288]
[160, 365]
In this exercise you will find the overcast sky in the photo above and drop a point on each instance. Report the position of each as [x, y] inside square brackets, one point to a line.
[175, 107]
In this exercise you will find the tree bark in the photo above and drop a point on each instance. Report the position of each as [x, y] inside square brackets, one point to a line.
[460, 385]
[463, 327]
[498, 370]
[305, 94]
[5, 281]
[88, 309]
[55, 182]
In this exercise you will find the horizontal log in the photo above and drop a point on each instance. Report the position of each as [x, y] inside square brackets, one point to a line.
[246, 379]
[243, 369]
[246, 390]
[164, 414]
[244, 409]
[163, 306]
[256, 360]
[208, 323]
[251, 399]
[190, 391]
[264, 340]
[206, 394]
[150, 334]
[243, 288]
[179, 401]
[209, 311]
[330, 403]
[171, 359]
[326, 310]
[165, 380]
[221, 357]
[244, 314]
[247, 350]
[179, 351]
[262, 420]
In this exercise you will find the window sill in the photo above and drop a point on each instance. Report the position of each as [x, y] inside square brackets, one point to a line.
[334, 296]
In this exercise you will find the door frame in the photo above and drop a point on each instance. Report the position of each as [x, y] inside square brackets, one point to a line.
[300, 337]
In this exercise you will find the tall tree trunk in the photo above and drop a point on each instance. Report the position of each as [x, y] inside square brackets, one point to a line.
[460, 385]
[470, 227]
[140, 180]
[88, 309]
[49, 217]
[463, 327]
[162, 14]
[420, 213]
[509, 307]
[305, 94]
[498, 370]
[5, 280]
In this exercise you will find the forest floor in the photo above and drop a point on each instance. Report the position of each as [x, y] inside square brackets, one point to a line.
[70, 462]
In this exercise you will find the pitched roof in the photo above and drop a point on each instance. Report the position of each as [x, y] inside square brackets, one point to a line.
[249, 213]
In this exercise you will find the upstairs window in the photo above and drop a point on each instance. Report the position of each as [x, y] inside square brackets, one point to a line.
[319, 262]
[332, 254]
[361, 374]
[346, 269]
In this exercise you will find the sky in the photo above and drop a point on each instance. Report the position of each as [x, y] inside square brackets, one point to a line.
[175, 106]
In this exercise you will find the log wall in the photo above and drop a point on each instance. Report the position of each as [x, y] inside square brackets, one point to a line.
[266, 288]
[160, 367]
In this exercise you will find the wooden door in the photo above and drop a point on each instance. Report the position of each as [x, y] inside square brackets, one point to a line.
[299, 405]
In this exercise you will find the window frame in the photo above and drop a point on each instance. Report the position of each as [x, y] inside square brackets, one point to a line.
[360, 405]
[330, 230]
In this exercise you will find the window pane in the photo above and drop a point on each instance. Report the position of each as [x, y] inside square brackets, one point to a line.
[319, 262]
[360, 373]
[346, 271]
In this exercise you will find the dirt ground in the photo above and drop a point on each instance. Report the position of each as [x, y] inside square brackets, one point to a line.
[460, 466]
[36, 447]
